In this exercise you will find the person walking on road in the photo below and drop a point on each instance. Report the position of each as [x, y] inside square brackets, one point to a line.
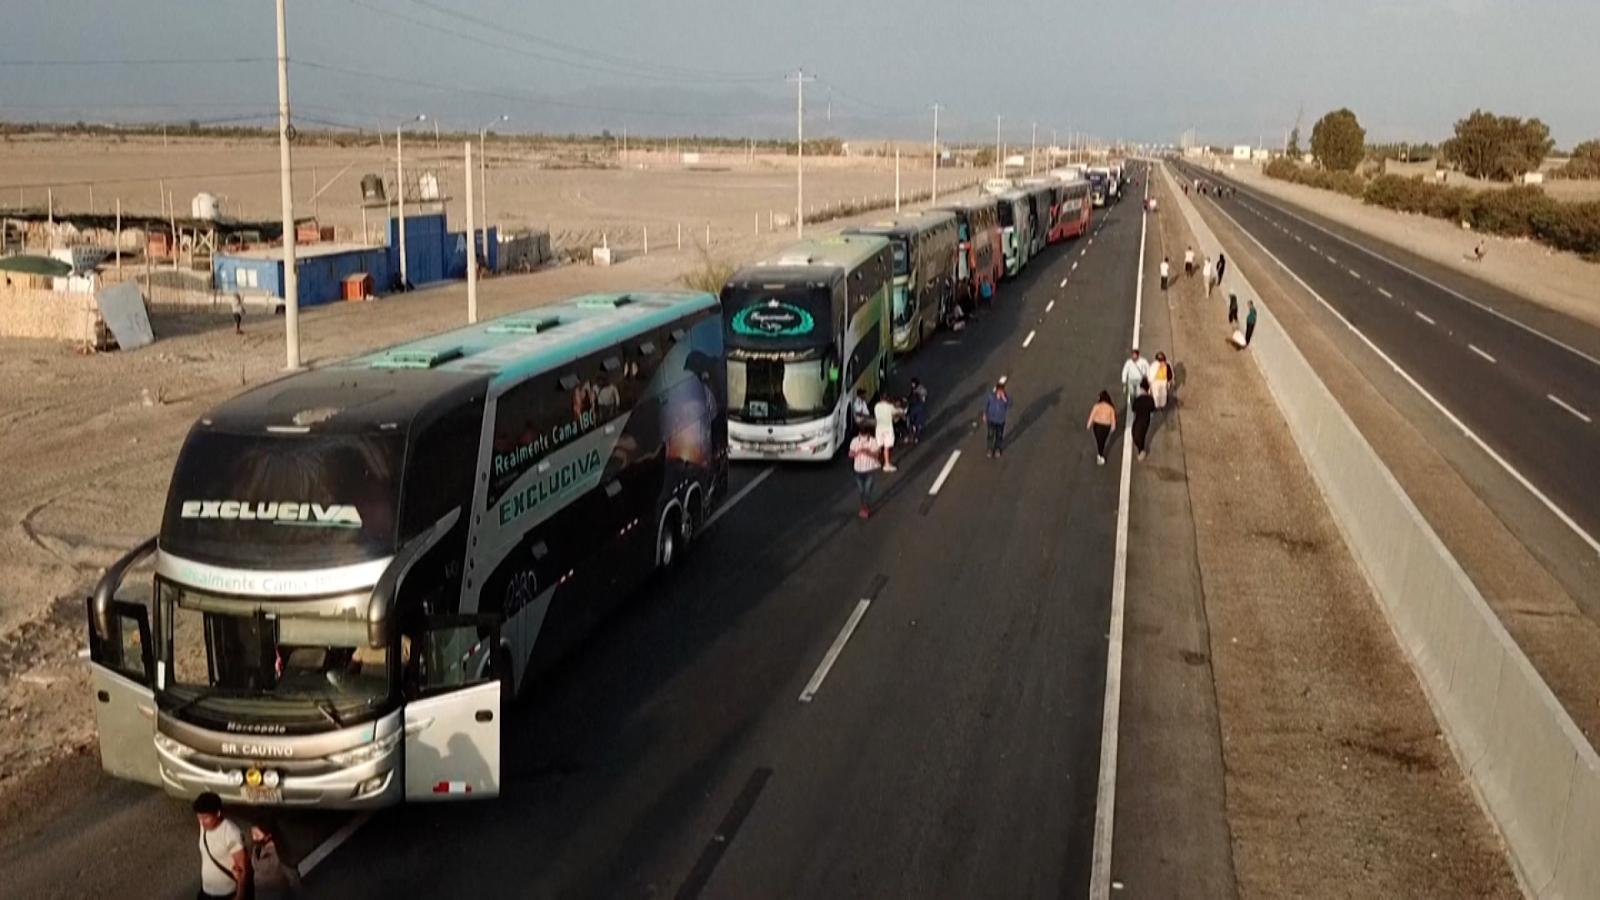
[1249, 323]
[1222, 266]
[1233, 309]
[1102, 421]
[864, 460]
[1188, 263]
[1134, 371]
[860, 409]
[1166, 273]
[1160, 380]
[916, 411]
[1143, 406]
[236, 302]
[884, 412]
[1209, 273]
[995, 409]
[275, 875]
[224, 862]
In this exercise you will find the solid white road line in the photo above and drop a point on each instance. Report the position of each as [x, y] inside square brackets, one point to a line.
[1385, 293]
[1474, 349]
[1564, 405]
[1049, 306]
[1426, 319]
[1483, 445]
[1354, 273]
[323, 850]
[815, 684]
[944, 473]
[1448, 290]
[1105, 803]
[744, 492]
[1028, 340]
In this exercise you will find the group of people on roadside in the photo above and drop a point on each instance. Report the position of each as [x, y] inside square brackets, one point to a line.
[880, 426]
[232, 866]
[1147, 387]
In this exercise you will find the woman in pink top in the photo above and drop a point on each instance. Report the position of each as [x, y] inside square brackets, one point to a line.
[864, 459]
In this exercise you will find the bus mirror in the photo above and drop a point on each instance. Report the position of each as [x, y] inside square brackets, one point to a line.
[105, 591]
[394, 577]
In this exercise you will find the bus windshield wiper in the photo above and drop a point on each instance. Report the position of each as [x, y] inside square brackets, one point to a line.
[328, 710]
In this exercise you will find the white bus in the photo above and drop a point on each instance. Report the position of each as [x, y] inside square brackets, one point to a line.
[359, 565]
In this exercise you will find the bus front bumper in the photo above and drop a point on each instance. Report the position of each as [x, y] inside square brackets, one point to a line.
[810, 442]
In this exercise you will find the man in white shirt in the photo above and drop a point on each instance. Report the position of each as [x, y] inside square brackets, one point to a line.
[1166, 272]
[1134, 371]
[884, 412]
[224, 863]
[1188, 263]
[1208, 272]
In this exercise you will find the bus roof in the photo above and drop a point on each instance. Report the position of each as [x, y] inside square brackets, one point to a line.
[908, 224]
[847, 251]
[390, 387]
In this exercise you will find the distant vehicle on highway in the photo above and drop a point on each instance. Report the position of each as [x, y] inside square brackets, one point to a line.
[360, 565]
[804, 331]
[925, 248]
[1100, 185]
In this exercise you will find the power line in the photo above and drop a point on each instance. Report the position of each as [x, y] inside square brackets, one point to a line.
[215, 61]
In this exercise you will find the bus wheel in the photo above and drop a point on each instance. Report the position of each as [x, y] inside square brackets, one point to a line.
[667, 539]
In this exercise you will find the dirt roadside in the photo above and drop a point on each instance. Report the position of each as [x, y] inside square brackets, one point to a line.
[1563, 282]
[1338, 781]
[87, 445]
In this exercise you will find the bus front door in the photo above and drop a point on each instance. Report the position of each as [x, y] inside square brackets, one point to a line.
[452, 713]
[121, 671]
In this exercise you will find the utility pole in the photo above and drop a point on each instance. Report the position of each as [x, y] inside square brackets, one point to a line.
[291, 280]
[472, 245]
[935, 198]
[800, 78]
[483, 176]
[897, 178]
[400, 201]
[1033, 147]
[997, 146]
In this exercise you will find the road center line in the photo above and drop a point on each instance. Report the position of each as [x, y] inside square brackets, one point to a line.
[1474, 349]
[1299, 240]
[1074, 267]
[828, 659]
[325, 849]
[744, 492]
[1063, 283]
[1083, 252]
[1425, 318]
[944, 473]
[1332, 260]
[1049, 306]
[1354, 274]
[1313, 248]
[1028, 340]
[1385, 293]
[1568, 407]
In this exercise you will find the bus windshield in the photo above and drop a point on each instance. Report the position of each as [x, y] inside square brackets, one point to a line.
[778, 391]
[236, 660]
[1005, 215]
[901, 255]
[284, 501]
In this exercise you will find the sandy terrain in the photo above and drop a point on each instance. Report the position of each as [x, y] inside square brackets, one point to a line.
[1338, 781]
[1561, 281]
[87, 443]
[527, 186]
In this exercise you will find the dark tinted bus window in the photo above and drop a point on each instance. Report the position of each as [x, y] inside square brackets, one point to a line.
[444, 459]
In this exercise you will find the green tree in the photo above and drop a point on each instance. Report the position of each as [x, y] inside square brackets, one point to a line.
[1338, 141]
[1293, 150]
[1498, 147]
[1589, 150]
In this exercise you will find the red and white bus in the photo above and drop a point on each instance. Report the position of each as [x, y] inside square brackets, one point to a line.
[1073, 209]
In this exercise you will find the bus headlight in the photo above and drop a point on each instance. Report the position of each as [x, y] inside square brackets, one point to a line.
[173, 748]
[346, 759]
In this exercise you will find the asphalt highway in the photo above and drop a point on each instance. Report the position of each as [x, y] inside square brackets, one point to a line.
[951, 652]
[1523, 379]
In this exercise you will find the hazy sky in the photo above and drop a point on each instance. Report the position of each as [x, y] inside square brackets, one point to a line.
[1138, 69]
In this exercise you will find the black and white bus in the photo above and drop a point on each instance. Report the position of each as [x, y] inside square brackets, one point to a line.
[358, 564]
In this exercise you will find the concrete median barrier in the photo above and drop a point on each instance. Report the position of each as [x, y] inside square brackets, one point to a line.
[1533, 770]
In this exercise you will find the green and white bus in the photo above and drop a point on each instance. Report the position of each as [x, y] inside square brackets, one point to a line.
[804, 330]
[359, 565]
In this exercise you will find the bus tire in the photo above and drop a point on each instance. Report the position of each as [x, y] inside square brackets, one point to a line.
[694, 518]
[667, 538]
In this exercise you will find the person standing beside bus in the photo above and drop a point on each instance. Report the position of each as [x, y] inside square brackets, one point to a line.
[864, 461]
[884, 412]
[916, 411]
[224, 862]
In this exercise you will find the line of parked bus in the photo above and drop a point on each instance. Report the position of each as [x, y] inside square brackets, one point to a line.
[822, 319]
[360, 565]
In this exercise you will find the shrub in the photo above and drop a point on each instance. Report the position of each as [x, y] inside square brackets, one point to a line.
[709, 276]
[1569, 226]
[1510, 212]
[1578, 167]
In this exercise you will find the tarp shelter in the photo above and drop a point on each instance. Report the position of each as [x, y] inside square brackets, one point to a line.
[35, 265]
[122, 308]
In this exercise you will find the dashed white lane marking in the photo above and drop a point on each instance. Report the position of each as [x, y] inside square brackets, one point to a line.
[1313, 248]
[1063, 283]
[1426, 319]
[1474, 349]
[1568, 407]
[744, 492]
[1385, 293]
[1028, 340]
[944, 473]
[1049, 306]
[1299, 240]
[1074, 267]
[1083, 252]
[334, 841]
[1332, 260]
[815, 684]
[1091, 241]
[1354, 274]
